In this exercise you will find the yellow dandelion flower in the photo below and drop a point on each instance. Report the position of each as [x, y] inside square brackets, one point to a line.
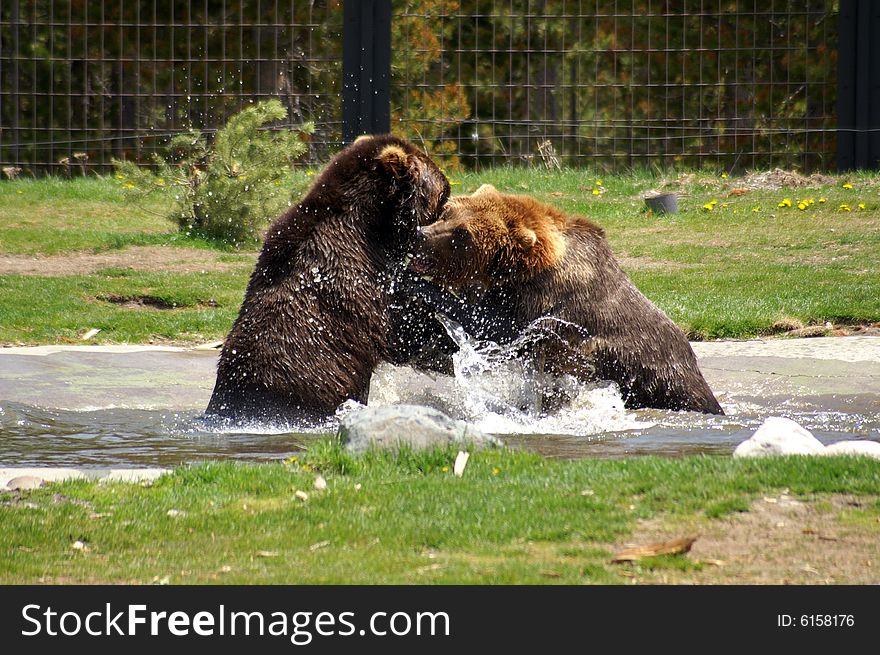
[445, 469]
[709, 206]
[120, 177]
[496, 471]
[845, 208]
[598, 182]
[724, 176]
[802, 206]
[129, 185]
[810, 201]
[847, 186]
[786, 202]
[596, 192]
[822, 200]
[861, 205]
[161, 181]
[756, 209]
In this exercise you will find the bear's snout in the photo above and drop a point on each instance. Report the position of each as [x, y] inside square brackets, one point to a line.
[421, 261]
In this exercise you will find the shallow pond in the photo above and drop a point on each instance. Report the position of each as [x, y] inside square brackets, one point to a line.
[138, 406]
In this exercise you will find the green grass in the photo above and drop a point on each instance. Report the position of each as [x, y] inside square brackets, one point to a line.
[60, 309]
[728, 272]
[513, 518]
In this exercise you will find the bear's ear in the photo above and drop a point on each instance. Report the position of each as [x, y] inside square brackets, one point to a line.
[395, 160]
[525, 238]
[362, 137]
[486, 190]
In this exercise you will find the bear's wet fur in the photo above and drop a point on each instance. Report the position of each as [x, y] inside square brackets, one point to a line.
[523, 263]
[318, 315]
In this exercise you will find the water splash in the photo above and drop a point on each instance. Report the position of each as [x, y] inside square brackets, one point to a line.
[500, 392]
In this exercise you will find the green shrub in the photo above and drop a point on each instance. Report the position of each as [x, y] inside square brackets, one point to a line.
[228, 189]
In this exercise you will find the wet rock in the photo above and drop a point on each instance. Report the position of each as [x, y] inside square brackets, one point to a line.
[864, 448]
[413, 426]
[25, 482]
[779, 436]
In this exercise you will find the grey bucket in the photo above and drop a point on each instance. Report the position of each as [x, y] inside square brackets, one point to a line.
[664, 203]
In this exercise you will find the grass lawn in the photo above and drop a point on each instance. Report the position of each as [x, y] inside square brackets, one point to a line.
[75, 255]
[512, 517]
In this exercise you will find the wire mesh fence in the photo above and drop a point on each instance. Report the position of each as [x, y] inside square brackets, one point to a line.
[726, 83]
[611, 84]
[83, 81]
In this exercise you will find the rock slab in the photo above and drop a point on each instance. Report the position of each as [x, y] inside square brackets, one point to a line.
[413, 426]
[21, 479]
[863, 448]
[779, 436]
[782, 436]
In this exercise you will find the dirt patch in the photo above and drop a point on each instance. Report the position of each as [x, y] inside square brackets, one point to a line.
[778, 178]
[136, 258]
[736, 185]
[780, 540]
[648, 264]
[148, 302]
[650, 230]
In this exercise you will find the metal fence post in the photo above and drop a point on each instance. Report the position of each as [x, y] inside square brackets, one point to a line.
[858, 85]
[366, 68]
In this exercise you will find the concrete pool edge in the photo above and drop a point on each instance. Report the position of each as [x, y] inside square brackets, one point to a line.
[821, 347]
[50, 474]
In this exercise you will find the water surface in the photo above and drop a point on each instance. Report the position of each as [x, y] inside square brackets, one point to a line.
[130, 406]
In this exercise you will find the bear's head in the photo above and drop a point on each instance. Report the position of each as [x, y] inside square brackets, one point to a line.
[488, 239]
[388, 178]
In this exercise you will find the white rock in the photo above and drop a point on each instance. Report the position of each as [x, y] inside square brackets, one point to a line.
[393, 426]
[25, 482]
[460, 462]
[863, 448]
[47, 473]
[779, 436]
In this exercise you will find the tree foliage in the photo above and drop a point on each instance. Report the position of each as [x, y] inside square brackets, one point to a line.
[228, 189]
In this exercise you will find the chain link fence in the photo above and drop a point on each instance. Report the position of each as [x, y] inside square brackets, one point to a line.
[83, 81]
[609, 84]
[728, 84]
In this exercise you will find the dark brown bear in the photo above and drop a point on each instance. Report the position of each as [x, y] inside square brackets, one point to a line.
[523, 261]
[317, 313]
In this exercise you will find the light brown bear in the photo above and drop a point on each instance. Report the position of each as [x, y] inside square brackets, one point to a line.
[520, 261]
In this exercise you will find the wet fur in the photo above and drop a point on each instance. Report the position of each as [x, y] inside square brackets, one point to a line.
[318, 313]
[618, 334]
